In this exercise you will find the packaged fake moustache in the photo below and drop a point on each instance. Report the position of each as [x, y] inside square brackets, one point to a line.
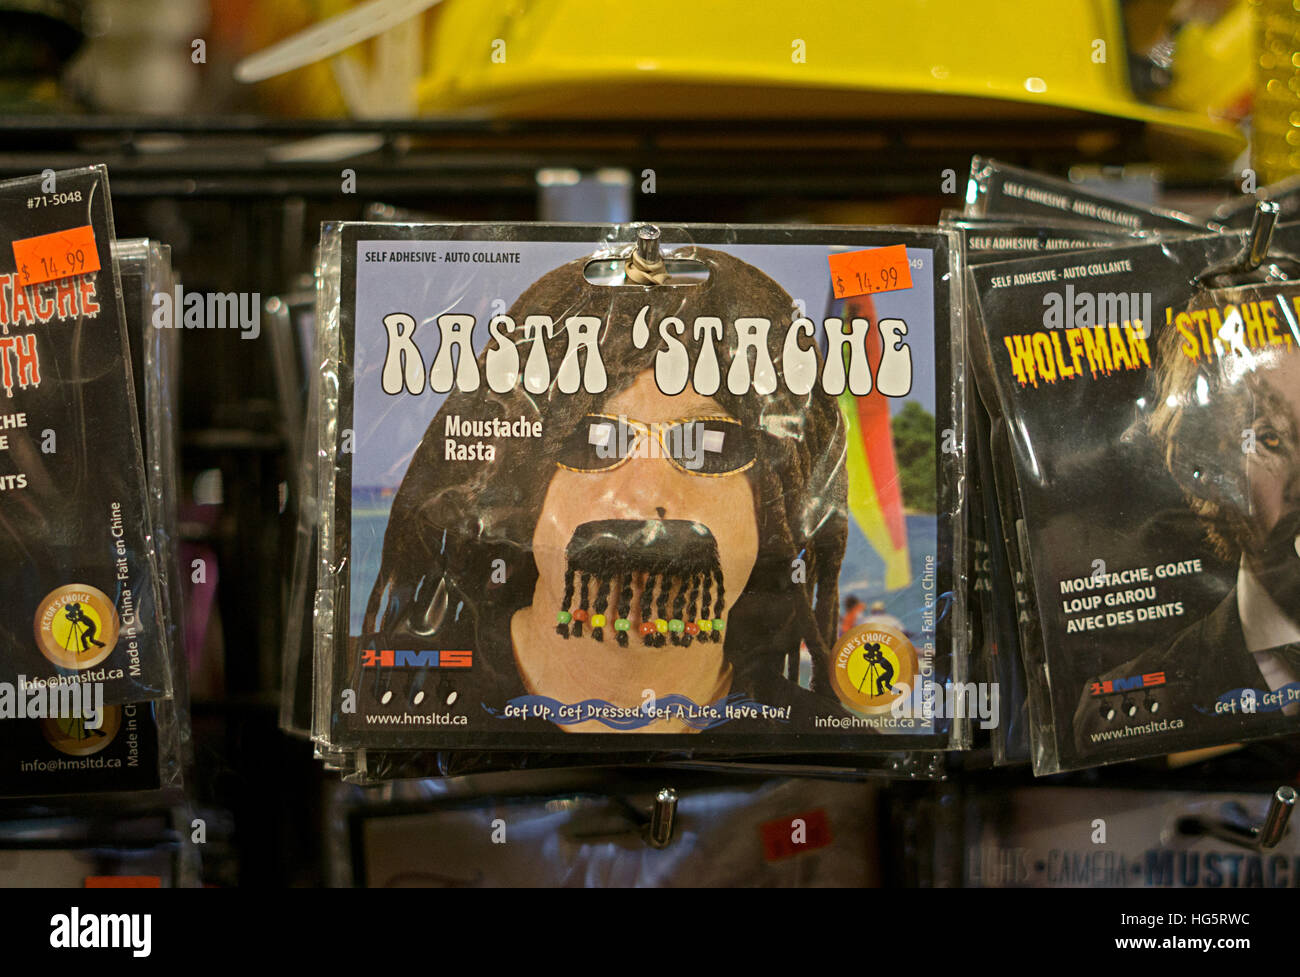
[998, 190]
[79, 586]
[578, 490]
[1152, 414]
[1000, 597]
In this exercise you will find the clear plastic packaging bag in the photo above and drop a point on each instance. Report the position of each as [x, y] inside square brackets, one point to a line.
[138, 747]
[78, 571]
[999, 190]
[999, 595]
[1148, 397]
[523, 547]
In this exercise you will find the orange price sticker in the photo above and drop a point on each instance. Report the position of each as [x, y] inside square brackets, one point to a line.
[795, 835]
[58, 255]
[123, 882]
[868, 272]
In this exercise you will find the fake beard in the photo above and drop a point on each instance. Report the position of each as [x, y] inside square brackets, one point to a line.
[1277, 565]
[681, 599]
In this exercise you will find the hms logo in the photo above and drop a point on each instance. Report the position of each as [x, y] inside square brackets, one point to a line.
[388, 658]
[1127, 684]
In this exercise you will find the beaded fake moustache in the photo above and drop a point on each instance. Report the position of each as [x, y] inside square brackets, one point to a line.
[682, 598]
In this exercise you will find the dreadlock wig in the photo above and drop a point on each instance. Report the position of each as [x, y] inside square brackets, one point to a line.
[451, 524]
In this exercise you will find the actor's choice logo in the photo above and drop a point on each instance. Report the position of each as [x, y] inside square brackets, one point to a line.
[75, 738]
[76, 626]
[873, 664]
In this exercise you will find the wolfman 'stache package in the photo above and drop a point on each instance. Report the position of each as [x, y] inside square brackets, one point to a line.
[1000, 597]
[1150, 399]
[1012, 212]
[79, 598]
[691, 491]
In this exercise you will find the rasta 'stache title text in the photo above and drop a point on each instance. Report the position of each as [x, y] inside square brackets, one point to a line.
[517, 354]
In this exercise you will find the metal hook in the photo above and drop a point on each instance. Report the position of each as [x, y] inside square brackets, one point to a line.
[1254, 259]
[647, 243]
[646, 264]
[1280, 808]
[1264, 837]
[659, 833]
[1261, 232]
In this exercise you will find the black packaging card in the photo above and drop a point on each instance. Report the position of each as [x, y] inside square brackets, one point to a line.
[78, 587]
[997, 583]
[997, 189]
[535, 558]
[116, 751]
[1155, 428]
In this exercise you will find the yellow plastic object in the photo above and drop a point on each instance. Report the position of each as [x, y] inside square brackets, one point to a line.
[1213, 65]
[1275, 150]
[248, 25]
[834, 59]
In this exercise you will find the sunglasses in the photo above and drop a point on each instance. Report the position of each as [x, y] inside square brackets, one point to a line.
[708, 446]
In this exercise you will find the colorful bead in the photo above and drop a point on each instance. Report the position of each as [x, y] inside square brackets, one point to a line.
[705, 625]
[580, 615]
[717, 624]
[675, 625]
[661, 625]
[598, 620]
[564, 617]
[622, 624]
[647, 627]
[692, 627]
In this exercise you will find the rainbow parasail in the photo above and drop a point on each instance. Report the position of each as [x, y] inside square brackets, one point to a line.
[875, 496]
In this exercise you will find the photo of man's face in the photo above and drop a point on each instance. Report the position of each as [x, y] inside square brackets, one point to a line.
[1229, 424]
[650, 481]
[614, 546]
[1270, 541]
